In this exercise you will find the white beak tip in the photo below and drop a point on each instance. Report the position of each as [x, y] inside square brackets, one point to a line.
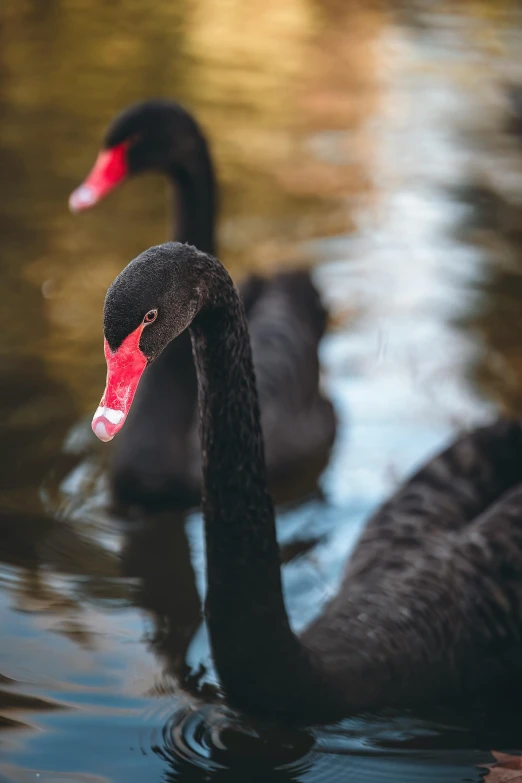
[81, 198]
[100, 431]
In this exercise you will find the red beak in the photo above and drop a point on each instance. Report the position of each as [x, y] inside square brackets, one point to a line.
[124, 370]
[108, 171]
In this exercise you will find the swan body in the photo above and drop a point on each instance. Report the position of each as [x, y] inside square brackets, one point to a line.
[156, 461]
[430, 607]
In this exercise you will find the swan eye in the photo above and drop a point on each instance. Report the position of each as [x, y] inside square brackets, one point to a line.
[150, 317]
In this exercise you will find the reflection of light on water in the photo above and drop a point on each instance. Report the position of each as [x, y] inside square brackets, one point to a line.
[399, 371]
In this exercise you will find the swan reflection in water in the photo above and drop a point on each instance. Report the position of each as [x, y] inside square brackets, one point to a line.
[202, 736]
[197, 737]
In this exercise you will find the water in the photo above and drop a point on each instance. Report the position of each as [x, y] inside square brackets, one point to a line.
[371, 144]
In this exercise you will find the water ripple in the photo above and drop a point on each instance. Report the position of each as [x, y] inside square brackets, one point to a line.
[219, 744]
[211, 743]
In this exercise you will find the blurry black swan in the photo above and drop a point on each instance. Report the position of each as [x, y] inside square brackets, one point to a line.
[157, 459]
[430, 607]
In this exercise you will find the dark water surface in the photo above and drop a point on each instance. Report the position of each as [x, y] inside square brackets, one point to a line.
[377, 146]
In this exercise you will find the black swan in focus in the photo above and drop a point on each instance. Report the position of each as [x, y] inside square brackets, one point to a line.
[156, 461]
[430, 608]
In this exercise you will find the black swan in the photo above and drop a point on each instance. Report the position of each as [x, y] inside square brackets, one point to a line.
[430, 608]
[156, 461]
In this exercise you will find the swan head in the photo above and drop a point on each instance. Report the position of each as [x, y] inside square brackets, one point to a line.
[150, 135]
[150, 303]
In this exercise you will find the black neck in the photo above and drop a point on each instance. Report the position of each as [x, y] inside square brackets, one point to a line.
[260, 662]
[195, 204]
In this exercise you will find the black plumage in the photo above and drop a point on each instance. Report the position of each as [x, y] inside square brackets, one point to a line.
[430, 607]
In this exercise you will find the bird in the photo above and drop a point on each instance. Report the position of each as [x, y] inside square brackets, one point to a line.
[430, 605]
[156, 462]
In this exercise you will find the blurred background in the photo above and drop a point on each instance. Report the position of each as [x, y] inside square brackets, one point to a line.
[379, 143]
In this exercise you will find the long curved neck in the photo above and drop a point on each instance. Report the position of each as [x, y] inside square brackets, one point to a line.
[195, 205]
[261, 664]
